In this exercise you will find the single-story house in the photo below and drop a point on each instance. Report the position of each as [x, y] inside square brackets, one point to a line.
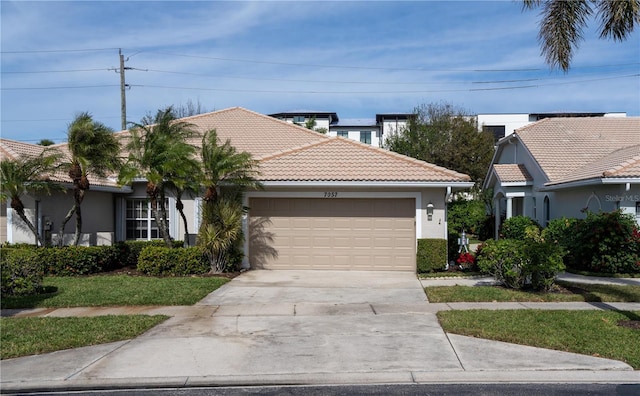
[561, 167]
[327, 203]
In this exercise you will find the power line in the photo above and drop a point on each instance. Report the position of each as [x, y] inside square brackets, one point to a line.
[58, 51]
[52, 71]
[64, 87]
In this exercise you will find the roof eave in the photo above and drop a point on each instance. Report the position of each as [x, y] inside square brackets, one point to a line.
[329, 183]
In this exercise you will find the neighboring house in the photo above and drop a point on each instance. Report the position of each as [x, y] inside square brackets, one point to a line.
[369, 131]
[502, 125]
[327, 203]
[560, 167]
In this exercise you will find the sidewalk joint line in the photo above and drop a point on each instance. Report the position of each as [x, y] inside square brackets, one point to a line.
[454, 351]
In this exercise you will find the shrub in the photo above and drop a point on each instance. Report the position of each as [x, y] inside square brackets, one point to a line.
[21, 272]
[514, 227]
[160, 260]
[518, 264]
[130, 250]
[431, 255]
[79, 260]
[604, 242]
[466, 215]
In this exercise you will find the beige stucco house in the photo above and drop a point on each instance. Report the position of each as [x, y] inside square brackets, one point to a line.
[327, 203]
[560, 167]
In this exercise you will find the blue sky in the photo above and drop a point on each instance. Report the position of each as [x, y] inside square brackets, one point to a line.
[354, 58]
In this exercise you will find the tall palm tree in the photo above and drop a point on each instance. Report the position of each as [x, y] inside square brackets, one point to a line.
[185, 181]
[93, 150]
[563, 21]
[223, 167]
[28, 174]
[159, 151]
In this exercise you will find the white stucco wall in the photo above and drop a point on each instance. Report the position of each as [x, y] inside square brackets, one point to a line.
[354, 133]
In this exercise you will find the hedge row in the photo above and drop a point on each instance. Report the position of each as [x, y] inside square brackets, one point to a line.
[160, 260]
[431, 255]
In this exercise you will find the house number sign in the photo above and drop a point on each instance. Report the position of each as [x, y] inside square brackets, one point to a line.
[331, 194]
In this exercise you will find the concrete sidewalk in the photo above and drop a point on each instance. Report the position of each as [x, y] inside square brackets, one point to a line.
[299, 327]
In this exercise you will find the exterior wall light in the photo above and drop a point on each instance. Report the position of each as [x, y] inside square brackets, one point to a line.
[429, 211]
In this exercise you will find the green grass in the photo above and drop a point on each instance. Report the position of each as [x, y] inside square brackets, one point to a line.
[30, 336]
[113, 290]
[568, 292]
[594, 333]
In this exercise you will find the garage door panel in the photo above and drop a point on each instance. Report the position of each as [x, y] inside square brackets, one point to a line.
[356, 234]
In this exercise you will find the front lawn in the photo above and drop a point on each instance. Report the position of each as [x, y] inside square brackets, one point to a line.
[31, 336]
[595, 333]
[114, 290]
[564, 292]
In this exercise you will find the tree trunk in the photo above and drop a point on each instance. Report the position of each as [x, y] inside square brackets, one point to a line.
[160, 215]
[180, 208]
[18, 206]
[78, 195]
[64, 223]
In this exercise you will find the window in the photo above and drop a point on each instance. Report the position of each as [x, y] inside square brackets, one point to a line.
[298, 119]
[497, 130]
[365, 137]
[140, 223]
[344, 134]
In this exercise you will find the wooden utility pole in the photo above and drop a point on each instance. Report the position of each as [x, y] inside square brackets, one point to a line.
[123, 96]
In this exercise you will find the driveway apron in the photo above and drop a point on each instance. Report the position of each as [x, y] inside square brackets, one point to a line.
[294, 322]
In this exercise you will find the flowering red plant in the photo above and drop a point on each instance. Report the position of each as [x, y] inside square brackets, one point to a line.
[466, 258]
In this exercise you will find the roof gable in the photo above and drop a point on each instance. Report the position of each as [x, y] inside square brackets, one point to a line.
[341, 159]
[570, 149]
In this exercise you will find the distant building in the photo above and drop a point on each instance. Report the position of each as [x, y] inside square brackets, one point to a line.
[371, 131]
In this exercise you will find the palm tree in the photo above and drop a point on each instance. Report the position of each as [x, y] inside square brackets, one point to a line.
[223, 167]
[563, 20]
[28, 174]
[159, 151]
[93, 150]
[185, 181]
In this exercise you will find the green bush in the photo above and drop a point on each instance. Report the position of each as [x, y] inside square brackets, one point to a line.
[130, 250]
[604, 242]
[519, 264]
[79, 260]
[21, 272]
[160, 260]
[466, 215]
[514, 227]
[431, 255]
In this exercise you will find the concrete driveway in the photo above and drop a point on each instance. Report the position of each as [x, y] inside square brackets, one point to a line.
[275, 327]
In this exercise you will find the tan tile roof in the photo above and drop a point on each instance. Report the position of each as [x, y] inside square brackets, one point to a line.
[512, 173]
[293, 153]
[341, 159]
[570, 149]
[11, 149]
[249, 131]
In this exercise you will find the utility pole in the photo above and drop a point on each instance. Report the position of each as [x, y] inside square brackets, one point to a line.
[123, 96]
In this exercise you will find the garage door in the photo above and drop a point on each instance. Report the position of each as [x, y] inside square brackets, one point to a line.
[345, 234]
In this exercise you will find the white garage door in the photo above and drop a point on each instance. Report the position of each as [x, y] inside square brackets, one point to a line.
[345, 234]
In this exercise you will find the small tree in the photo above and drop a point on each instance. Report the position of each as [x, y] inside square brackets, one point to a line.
[159, 151]
[28, 175]
[93, 150]
[223, 167]
[446, 136]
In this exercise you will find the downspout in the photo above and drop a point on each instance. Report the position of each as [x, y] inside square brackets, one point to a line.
[446, 214]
